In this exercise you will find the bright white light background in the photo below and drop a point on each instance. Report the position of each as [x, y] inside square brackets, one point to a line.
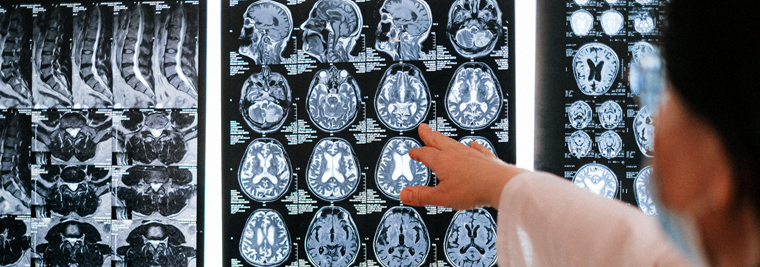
[525, 22]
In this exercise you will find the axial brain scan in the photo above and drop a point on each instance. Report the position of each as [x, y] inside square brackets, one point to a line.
[404, 25]
[643, 23]
[265, 100]
[610, 114]
[579, 144]
[401, 238]
[598, 179]
[639, 51]
[333, 172]
[609, 144]
[332, 239]
[581, 22]
[480, 140]
[403, 97]
[471, 239]
[396, 170]
[595, 66]
[474, 98]
[643, 127]
[579, 114]
[267, 26]
[612, 22]
[332, 29]
[265, 240]
[265, 170]
[641, 189]
[333, 99]
[474, 27]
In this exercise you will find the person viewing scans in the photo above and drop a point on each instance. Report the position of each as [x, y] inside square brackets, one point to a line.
[702, 192]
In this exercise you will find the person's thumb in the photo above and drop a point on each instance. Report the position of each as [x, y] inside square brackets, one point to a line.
[418, 195]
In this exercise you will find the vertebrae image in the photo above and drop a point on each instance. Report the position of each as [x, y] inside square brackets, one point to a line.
[474, 27]
[333, 27]
[474, 99]
[333, 99]
[641, 187]
[333, 172]
[91, 68]
[156, 189]
[480, 140]
[81, 190]
[14, 240]
[396, 170]
[598, 179]
[74, 243]
[267, 26]
[157, 244]
[643, 129]
[265, 240]
[51, 65]
[332, 239]
[579, 143]
[75, 136]
[403, 97]
[404, 26]
[265, 171]
[579, 114]
[265, 101]
[471, 239]
[401, 238]
[15, 77]
[595, 66]
[157, 137]
[16, 176]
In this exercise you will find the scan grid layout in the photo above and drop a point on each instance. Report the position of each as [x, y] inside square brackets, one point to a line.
[321, 104]
[99, 130]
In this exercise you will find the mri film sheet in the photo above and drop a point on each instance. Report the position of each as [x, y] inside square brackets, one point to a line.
[593, 131]
[321, 104]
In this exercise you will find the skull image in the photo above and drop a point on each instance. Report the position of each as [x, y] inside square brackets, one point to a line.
[474, 27]
[401, 238]
[73, 243]
[597, 179]
[643, 126]
[76, 136]
[333, 99]
[579, 144]
[332, 30]
[332, 238]
[265, 171]
[403, 97]
[610, 144]
[471, 239]
[158, 137]
[641, 187]
[265, 101]
[266, 30]
[404, 25]
[396, 170]
[73, 189]
[333, 172]
[265, 240]
[579, 114]
[474, 98]
[151, 189]
[156, 244]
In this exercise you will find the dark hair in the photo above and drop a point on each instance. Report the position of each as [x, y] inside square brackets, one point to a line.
[714, 64]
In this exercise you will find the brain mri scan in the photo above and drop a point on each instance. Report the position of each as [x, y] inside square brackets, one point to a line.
[403, 97]
[333, 171]
[595, 66]
[404, 25]
[473, 100]
[582, 2]
[471, 239]
[265, 240]
[396, 170]
[74, 189]
[643, 23]
[15, 82]
[267, 26]
[643, 127]
[474, 27]
[609, 144]
[76, 137]
[265, 100]
[640, 50]
[612, 22]
[332, 239]
[265, 171]
[644, 2]
[157, 189]
[401, 238]
[157, 244]
[74, 243]
[579, 143]
[610, 114]
[14, 241]
[641, 186]
[598, 179]
[158, 137]
[332, 30]
[579, 114]
[480, 140]
[581, 22]
[333, 99]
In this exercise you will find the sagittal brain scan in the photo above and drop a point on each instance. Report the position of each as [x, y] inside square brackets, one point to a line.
[15, 240]
[401, 238]
[403, 97]
[265, 240]
[158, 137]
[612, 22]
[332, 239]
[474, 99]
[595, 66]
[74, 243]
[156, 244]
[333, 27]
[16, 179]
[480, 140]
[267, 26]
[579, 114]
[265, 100]
[643, 127]
[471, 239]
[598, 179]
[15, 39]
[474, 27]
[579, 143]
[333, 99]
[609, 144]
[641, 187]
[581, 22]
[91, 78]
[75, 136]
[76, 189]
[610, 114]
[333, 172]
[643, 23]
[156, 189]
[265, 171]
[396, 170]
[404, 25]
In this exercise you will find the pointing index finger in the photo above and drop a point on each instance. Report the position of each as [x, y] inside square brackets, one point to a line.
[436, 139]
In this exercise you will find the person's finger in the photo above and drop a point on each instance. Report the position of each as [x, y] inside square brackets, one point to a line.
[419, 196]
[436, 139]
[482, 149]
[427, 155]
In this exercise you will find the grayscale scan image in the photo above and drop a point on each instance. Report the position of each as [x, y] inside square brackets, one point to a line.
[16, 241]
[265, 171]
[403, 27]
[595, 66]
[71, 242]
[396, 170]
[333, 171]
[331, 32]
[579, 143]
[333, 99]
[471, 239]
[612, 22]
[157, 137]
[474, 98]
[265, 100]
[332, 239]
[265, 241]
[15, 39]
[403, 97]
[16, 181]
[402, 238]
[51, 82]
[639, 51]
[598, 179]
[643, 22]
[74, 189]
[148, 190]
[474, 27]
[266, 31]
[579, 114]
[610, 114]
[75, 136]
[480, 140]
[609, 144]
[643, 126]
[154, 243]
[642, 189]
[91, 57]
[582, 22]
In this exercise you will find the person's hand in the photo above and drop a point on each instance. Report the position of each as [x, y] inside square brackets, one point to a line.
[469, 177]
